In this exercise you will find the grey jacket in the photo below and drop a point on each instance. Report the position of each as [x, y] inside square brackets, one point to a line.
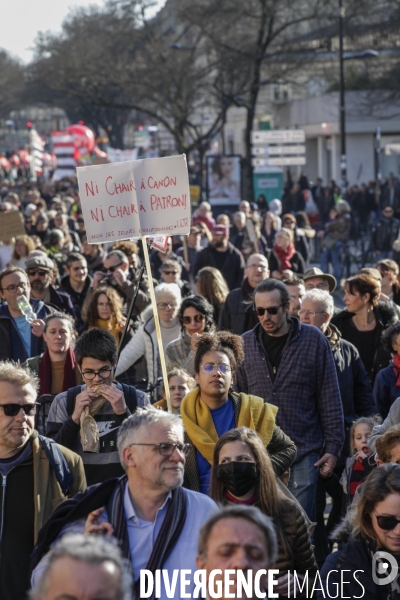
[393, 418]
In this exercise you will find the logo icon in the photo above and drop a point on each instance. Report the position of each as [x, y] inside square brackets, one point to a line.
[384, 568]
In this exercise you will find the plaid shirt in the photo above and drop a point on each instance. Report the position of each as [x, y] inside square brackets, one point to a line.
[305, 388]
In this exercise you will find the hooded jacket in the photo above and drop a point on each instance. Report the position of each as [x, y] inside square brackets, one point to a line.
[11, 345]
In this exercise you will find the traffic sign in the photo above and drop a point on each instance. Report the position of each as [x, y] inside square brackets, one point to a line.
[279, 136]
[278, 150]
[284, 161]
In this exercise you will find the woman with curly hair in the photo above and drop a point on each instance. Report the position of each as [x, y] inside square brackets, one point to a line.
[195, 317]
[22, 246]
[242, 473]
[212, 286]
[213, 408]
[103, 308]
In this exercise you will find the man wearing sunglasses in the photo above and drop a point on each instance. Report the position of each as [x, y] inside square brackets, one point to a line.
[291, 365]
[107, 402]
[19, 339]
[40, 270]
[30, 487]
[158, 520]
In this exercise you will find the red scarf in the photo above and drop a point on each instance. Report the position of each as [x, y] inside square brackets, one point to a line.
[44, 372]
[234, 500]
[396, 362]
[285, 256]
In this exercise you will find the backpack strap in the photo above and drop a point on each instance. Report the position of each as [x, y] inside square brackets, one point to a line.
[71, 398]
[58, 463]
[130, 396]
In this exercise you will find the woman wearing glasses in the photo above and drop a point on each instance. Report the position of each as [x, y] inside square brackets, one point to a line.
[284, 256]
[366, 566]
[144, 342]
[195, 317]
[213, 408]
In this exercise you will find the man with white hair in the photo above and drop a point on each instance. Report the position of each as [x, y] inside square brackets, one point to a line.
[356, 393]
[84, 568]
[237, 314]
[155, 519]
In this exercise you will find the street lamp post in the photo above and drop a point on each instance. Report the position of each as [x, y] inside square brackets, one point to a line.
[342, 109]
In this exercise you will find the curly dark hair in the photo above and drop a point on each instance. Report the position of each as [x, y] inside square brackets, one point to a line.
[203, 306]
[389, 337]
[222, 341]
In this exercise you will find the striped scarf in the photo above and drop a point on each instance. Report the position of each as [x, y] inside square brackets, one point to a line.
[167, 538]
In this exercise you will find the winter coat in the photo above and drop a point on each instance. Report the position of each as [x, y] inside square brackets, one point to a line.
[354, 384]
[234, 314]
[33, 479]
[349, 570]
[386, 390]
[298, 265]
[385, 315]
[233, 268]
[179, 355]
[393, 418]
[11, 344]
[339, 228]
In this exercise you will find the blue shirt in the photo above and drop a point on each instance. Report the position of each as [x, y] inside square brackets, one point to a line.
[25, 331]
[143, 535]
[224, 420]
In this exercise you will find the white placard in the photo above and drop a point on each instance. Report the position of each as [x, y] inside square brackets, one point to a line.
[278, 150]
[115, 156]
[138, 198]
[284, 161]
[279, 136]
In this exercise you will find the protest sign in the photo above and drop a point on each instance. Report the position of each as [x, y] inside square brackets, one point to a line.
[138, 198]
[11, 225]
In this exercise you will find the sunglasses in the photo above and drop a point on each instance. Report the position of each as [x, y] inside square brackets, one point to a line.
[209, 368]
[170, 272]
[386, 523]
[195, 319]
[12, 410]
[34, 272]
[166, 449]
[272, 310]
[112, 269]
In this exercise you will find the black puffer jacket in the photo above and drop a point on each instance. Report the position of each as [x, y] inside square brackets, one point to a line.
[385, 315]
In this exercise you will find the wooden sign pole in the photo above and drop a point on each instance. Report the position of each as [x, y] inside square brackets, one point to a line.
[157, 323]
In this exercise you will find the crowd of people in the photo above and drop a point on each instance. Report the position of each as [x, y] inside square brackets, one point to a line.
[280, 400]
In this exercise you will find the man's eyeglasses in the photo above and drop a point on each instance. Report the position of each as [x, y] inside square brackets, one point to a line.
[272, 310]
[170, 272]
[33, 272]
[13, 288]
[311, 313]
[103, 373]
[166, 449]
[386, 523]
[195, 319]
[12, 410]
[209, 368]
[112, 269]
[165, 305]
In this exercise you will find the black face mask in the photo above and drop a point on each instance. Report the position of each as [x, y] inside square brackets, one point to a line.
[238, 477]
